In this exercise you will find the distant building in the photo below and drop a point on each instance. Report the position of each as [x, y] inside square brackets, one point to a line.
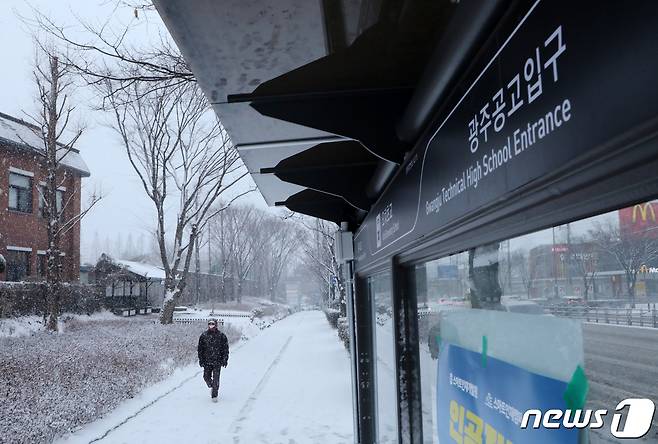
[558, 271]
[23, 234]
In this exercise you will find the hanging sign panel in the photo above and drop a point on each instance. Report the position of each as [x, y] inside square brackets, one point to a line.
[567, 80]
[485, 402]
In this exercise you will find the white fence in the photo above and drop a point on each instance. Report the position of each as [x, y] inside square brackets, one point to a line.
[617, 316]
[196, 320]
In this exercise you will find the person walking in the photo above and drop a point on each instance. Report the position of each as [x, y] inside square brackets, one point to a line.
[213, 355]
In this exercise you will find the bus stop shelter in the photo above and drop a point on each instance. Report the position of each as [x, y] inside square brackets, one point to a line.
[426, 129]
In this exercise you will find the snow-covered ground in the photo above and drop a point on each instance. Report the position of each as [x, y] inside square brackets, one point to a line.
[289, 384]
[30, 325]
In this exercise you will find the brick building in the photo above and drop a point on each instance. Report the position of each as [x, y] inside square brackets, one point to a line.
[23, 234]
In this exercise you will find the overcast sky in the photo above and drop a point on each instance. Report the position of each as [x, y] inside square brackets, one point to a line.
[124, 210]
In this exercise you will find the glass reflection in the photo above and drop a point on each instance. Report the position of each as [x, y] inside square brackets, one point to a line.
[602, 271]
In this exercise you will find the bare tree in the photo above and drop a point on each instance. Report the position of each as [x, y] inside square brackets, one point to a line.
[53, 125]
[223, 233]
[631, 250]
[109, 53]
[584, 258]
[247, 244]
[237, 236]
[319, 254]
[521, 267]
[180, 153]
[282, 239]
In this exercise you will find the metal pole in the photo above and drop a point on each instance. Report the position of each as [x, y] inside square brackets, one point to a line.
[197, 269]
[209, 295]
[569, 257]
[509, 267]
[554, 267]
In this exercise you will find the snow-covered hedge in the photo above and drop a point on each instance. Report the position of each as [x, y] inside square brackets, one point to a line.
[51, 383]
[332, 316]
[29, 298]
[266, 315]
[343, 332]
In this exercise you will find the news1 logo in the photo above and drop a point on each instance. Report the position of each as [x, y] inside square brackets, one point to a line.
[638, 418]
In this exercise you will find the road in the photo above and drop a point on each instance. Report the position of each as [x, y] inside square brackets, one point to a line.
[290, 384]
[621, 362]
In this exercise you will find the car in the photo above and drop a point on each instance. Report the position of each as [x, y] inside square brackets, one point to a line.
[574, 300]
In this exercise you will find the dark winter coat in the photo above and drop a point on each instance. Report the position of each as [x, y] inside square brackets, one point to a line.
[213, 349]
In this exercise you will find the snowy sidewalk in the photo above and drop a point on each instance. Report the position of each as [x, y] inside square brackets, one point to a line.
[290, 384]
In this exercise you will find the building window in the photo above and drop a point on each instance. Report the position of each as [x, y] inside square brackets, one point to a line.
[20, 193]
[42, 200]
[42, 263]
[18, 265]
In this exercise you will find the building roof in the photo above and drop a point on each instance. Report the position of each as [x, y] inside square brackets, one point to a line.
[22, 134]
[145, 270]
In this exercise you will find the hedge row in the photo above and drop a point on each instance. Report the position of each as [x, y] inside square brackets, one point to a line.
[29, 298]
[332, 316]
[340, 324]
[343, 332]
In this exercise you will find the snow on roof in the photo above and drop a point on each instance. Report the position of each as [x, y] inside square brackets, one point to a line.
[144, 270]
[19, 132]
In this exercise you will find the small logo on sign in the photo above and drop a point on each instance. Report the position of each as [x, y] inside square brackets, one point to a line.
[638, 418]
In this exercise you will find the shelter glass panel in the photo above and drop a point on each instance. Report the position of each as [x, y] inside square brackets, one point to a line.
[384, 346]
[601, 272]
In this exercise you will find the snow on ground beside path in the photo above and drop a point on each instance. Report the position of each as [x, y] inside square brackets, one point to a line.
[30, 325]
[22, 326]
[289, 384]
[53, 383]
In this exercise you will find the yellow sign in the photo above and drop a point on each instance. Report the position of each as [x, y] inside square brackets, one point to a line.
[643, 208]
[640, 289]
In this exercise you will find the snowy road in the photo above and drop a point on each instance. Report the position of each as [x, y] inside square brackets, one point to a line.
[621, 362]
[290, 384]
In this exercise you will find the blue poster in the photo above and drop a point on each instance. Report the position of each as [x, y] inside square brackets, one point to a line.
[482, 400]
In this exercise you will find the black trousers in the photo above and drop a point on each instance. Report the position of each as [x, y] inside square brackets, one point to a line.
[211, 376]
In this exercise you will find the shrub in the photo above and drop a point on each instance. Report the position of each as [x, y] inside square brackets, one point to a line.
[257, 312]
[29, 298]
[343, 332]
[332, 316]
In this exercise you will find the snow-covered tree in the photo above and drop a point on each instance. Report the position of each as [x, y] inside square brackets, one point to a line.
[53, 125]
[319, 255]
[630, 249]
[281, 240]
[222, 238]
[522, 269]
[248, 243]
[584, 258]
[185, 162]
